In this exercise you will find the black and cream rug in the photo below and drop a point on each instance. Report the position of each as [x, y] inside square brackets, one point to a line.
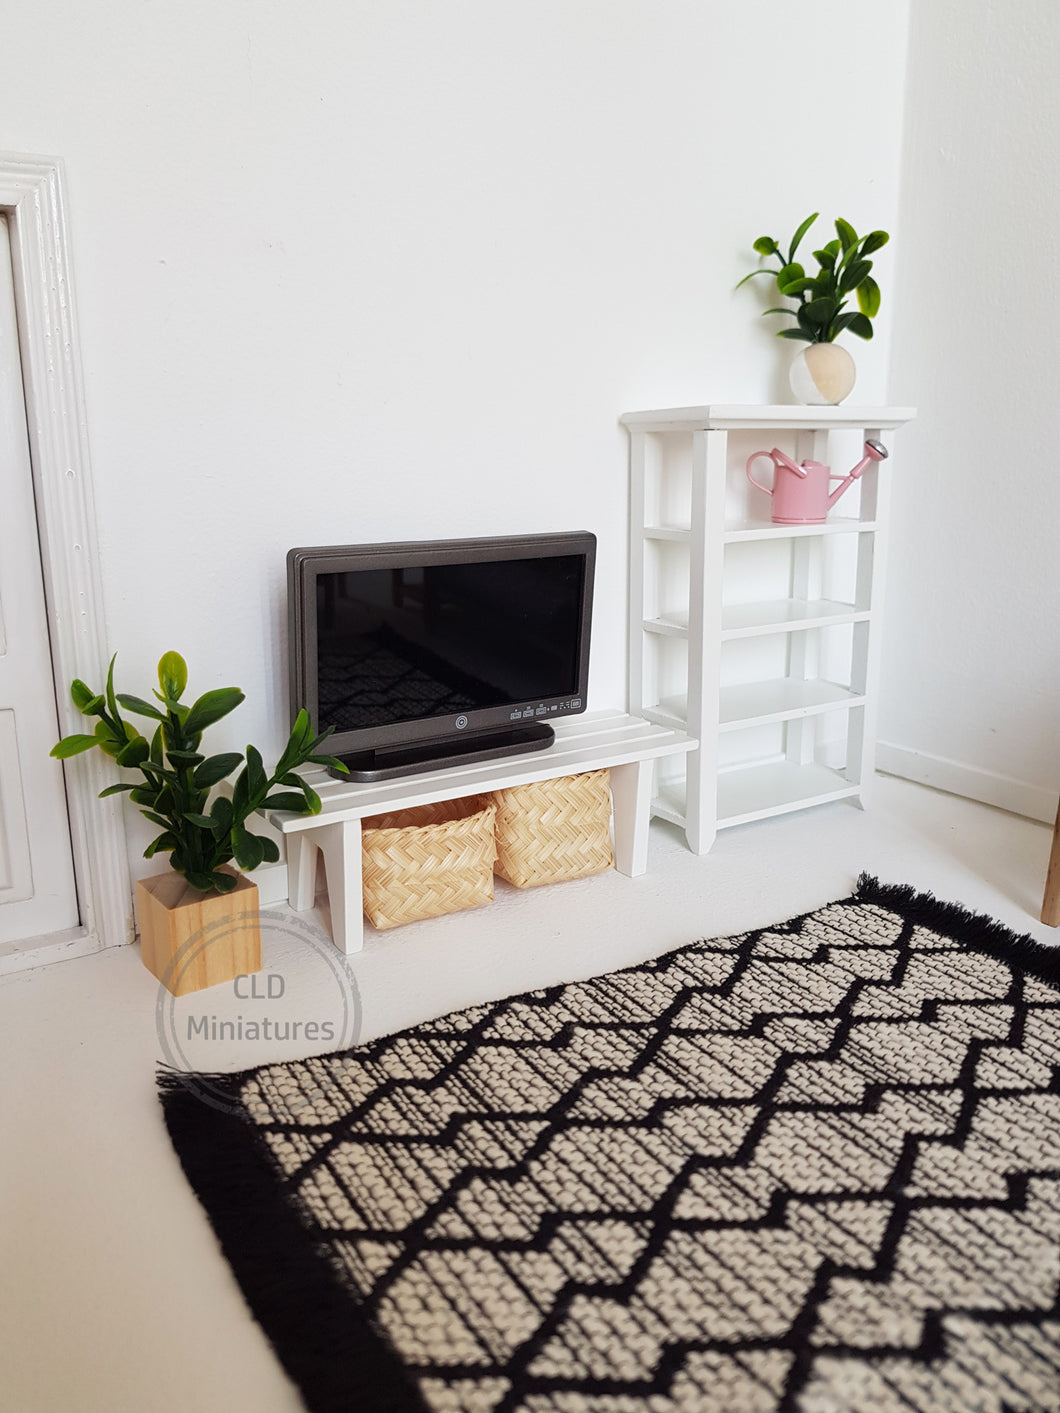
[814, 1167]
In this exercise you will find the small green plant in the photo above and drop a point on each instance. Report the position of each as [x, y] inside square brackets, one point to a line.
[200, 836]
[843, 270]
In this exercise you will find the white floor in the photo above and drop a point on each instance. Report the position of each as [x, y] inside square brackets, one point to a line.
[113, 1294]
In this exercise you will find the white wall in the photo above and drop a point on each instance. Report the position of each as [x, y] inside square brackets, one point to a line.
[972, 670]
[365, 271]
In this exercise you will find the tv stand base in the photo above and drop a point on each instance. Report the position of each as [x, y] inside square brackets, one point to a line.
[626, 745]
[420, 756]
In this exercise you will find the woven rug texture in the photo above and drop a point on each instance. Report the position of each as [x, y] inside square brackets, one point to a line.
[812, 1167]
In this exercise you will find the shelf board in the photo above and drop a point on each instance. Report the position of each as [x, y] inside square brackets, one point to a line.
[738, 417]
[674, 625]
[759, 791]
[669, 803]
[766, 530]
[671, 712]
[680, 533]
[782, 699]
[749, 620]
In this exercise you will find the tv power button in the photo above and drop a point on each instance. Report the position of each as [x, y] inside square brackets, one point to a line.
[460, 722]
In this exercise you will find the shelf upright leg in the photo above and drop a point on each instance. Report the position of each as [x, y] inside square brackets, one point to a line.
[865, 665]
[706, 565]
[804, 647]
[639, 451]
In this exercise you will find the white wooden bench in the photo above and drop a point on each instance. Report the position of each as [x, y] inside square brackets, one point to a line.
[625, 744]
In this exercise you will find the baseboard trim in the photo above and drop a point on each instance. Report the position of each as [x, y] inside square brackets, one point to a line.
[956, 778]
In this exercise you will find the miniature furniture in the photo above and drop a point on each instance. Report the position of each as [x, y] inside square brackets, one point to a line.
[735, 624]
[1051, 899]
[625, 744]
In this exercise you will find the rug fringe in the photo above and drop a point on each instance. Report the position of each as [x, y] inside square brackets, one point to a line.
[292, 1291]
[975, 930]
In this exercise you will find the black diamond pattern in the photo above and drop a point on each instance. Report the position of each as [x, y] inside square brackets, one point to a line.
[815, 1167]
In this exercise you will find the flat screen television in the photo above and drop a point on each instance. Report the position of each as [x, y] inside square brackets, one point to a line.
[423, 654]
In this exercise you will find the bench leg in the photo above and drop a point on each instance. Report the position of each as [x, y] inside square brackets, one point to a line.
[301, 871]
[341, 846]
[631, 801]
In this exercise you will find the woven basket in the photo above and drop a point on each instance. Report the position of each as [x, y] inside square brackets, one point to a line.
[427, 861]
[553, 830]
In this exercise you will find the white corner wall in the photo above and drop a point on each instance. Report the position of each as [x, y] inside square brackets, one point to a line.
[971, 699]
[380, 269]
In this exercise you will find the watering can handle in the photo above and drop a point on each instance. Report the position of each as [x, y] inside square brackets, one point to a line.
[778, 458]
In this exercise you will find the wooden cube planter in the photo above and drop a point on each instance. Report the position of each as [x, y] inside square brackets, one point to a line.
[191, 940]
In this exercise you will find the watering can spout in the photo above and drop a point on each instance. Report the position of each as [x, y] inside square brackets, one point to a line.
[874, 451]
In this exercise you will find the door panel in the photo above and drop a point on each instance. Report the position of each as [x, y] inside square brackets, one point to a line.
[37, 892]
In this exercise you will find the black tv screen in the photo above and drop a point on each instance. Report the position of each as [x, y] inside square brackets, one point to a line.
[418, 652]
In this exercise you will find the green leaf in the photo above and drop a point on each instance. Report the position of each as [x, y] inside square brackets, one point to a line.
[790, 274]
[155, 818]
[210, 707]
[111, 700]
[140, 795]
[215, 768]
[302, 730]
[825, 258]
[270, 853]
[84, 698]
[797, 334]
[312, 800]
[820, 312]
[240, 799]
[766, 245]
[333, 762]
[224, 882]
[846, 232]
[139, 706]
[72, 746]
[257, 780]
[247, 848]
[161, 845]
[156, 747]
[841, 322]
[770, 273]
[172, 675]
[115, 790]
[874, 241]
[186, 758]
[869, 297]
[797, 237]
[221, 814]
[854, 274]
[202, 881]
[860, 325]
[286, 800]
[134, 753]
[201, 821]
[107, 741]
[796, 287]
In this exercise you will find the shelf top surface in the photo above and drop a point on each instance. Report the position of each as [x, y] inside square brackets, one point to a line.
[726, 416]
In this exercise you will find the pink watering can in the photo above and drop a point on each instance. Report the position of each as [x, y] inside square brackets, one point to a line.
[800, 490]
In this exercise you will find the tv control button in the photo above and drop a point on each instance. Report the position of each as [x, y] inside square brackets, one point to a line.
[460, 722]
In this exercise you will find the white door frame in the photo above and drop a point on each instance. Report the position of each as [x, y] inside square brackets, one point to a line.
[32, 194]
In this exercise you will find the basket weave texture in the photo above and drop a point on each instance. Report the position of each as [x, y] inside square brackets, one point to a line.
[553, 830]
[427, 861]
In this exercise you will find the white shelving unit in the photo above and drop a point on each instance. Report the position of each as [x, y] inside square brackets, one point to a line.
[759, 640]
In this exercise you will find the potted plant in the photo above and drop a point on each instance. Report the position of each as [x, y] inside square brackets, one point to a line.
[824, 373]
[204, 828]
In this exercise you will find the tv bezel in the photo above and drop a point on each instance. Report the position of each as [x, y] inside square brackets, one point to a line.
[406, 747]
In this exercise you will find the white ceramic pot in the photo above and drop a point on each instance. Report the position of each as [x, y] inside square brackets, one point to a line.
[822, 374]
